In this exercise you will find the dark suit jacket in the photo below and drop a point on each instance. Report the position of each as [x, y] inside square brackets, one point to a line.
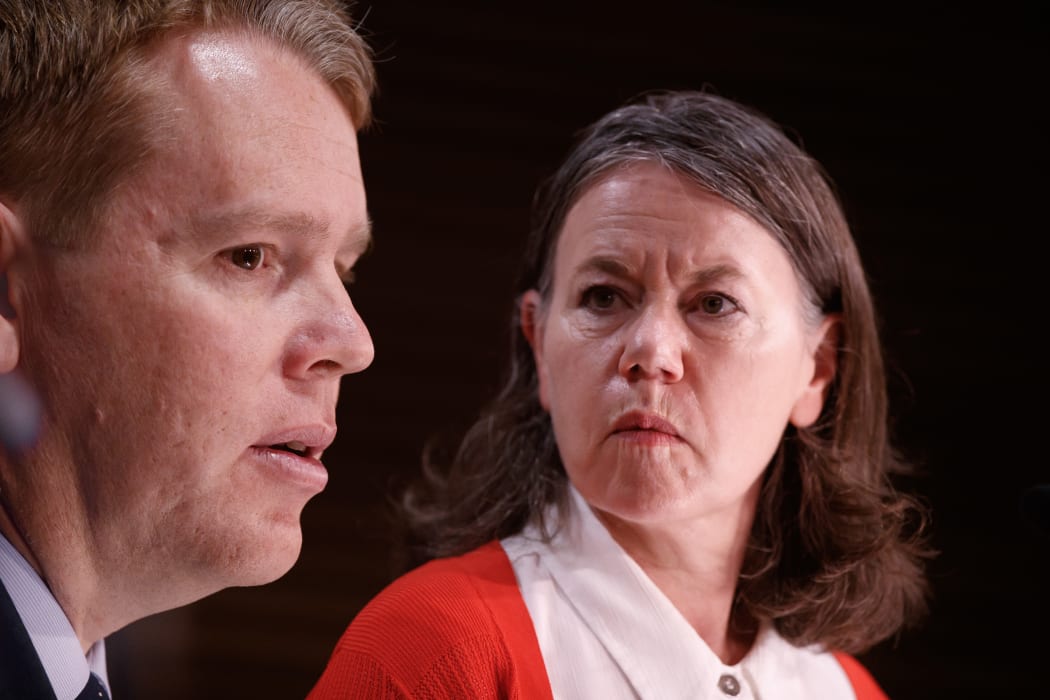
[22, 676]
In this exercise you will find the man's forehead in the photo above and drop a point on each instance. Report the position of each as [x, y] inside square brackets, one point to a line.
[224, 66]
[220, 56]
[251, 120]
[214, 53]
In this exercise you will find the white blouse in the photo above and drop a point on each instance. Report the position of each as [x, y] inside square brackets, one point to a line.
[606, 631]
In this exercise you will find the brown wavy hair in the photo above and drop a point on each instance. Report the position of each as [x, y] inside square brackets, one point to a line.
[80, 111]
[836, 552]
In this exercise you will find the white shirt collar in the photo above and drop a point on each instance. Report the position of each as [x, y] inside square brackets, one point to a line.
[52, 635]
[584, 578]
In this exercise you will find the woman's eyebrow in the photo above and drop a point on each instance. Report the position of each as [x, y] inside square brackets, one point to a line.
[617, 268]
[603, 263]
[719, 272]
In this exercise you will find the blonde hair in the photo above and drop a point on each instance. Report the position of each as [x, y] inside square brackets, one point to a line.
[78, 113]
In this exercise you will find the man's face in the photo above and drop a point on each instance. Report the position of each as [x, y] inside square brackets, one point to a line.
[190, 360]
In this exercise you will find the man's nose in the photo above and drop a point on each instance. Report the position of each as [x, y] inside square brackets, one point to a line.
[654, 343]
[332, 339]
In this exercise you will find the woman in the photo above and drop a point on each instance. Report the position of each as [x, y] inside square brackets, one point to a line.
[683, 489]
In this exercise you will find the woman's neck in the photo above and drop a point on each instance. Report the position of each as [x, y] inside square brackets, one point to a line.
[697, 566]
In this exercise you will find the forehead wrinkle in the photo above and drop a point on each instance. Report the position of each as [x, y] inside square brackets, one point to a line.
[617, 268]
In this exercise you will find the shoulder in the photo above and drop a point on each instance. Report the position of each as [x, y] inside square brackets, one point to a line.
[448, 626]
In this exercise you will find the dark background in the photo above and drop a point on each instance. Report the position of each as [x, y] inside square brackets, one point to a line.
[929, 121]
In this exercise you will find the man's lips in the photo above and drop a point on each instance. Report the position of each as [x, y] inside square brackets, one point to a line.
[641, 422]
[308, 441]
[294, 455]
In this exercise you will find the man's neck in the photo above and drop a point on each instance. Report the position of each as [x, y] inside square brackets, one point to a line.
[14, 535]
[17, 534]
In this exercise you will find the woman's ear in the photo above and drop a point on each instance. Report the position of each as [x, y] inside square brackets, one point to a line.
[11, 242]
[825, 362]
[530, 312]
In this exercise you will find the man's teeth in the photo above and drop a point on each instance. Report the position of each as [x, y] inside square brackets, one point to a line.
[293, 446]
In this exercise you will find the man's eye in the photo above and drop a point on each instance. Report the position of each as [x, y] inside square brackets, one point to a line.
[248, 257]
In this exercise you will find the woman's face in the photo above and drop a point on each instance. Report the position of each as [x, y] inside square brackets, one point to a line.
[673, 350]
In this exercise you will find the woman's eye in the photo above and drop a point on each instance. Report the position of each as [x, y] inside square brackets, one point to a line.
[716, 304]
[248, 257]
[600, 298]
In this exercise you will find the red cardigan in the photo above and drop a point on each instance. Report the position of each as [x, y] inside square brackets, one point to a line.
[458, 628]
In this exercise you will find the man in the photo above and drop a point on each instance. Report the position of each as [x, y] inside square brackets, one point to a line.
[181, 205]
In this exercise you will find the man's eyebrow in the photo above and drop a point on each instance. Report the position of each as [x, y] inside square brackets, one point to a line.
[246, 219]
[300, 223]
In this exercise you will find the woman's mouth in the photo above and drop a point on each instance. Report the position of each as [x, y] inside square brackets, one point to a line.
[645, 428]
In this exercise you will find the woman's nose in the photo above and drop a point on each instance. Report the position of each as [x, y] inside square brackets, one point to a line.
[654, 345]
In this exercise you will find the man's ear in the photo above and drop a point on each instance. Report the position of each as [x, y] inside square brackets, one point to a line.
[530, 312]
[12, 241]
[825, 359]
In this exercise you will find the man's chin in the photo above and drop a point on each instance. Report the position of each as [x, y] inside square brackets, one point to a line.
[277, 562]
[260, 560]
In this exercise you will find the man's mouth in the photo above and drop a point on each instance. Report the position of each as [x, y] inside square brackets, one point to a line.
[294, 454]
[308, 442]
